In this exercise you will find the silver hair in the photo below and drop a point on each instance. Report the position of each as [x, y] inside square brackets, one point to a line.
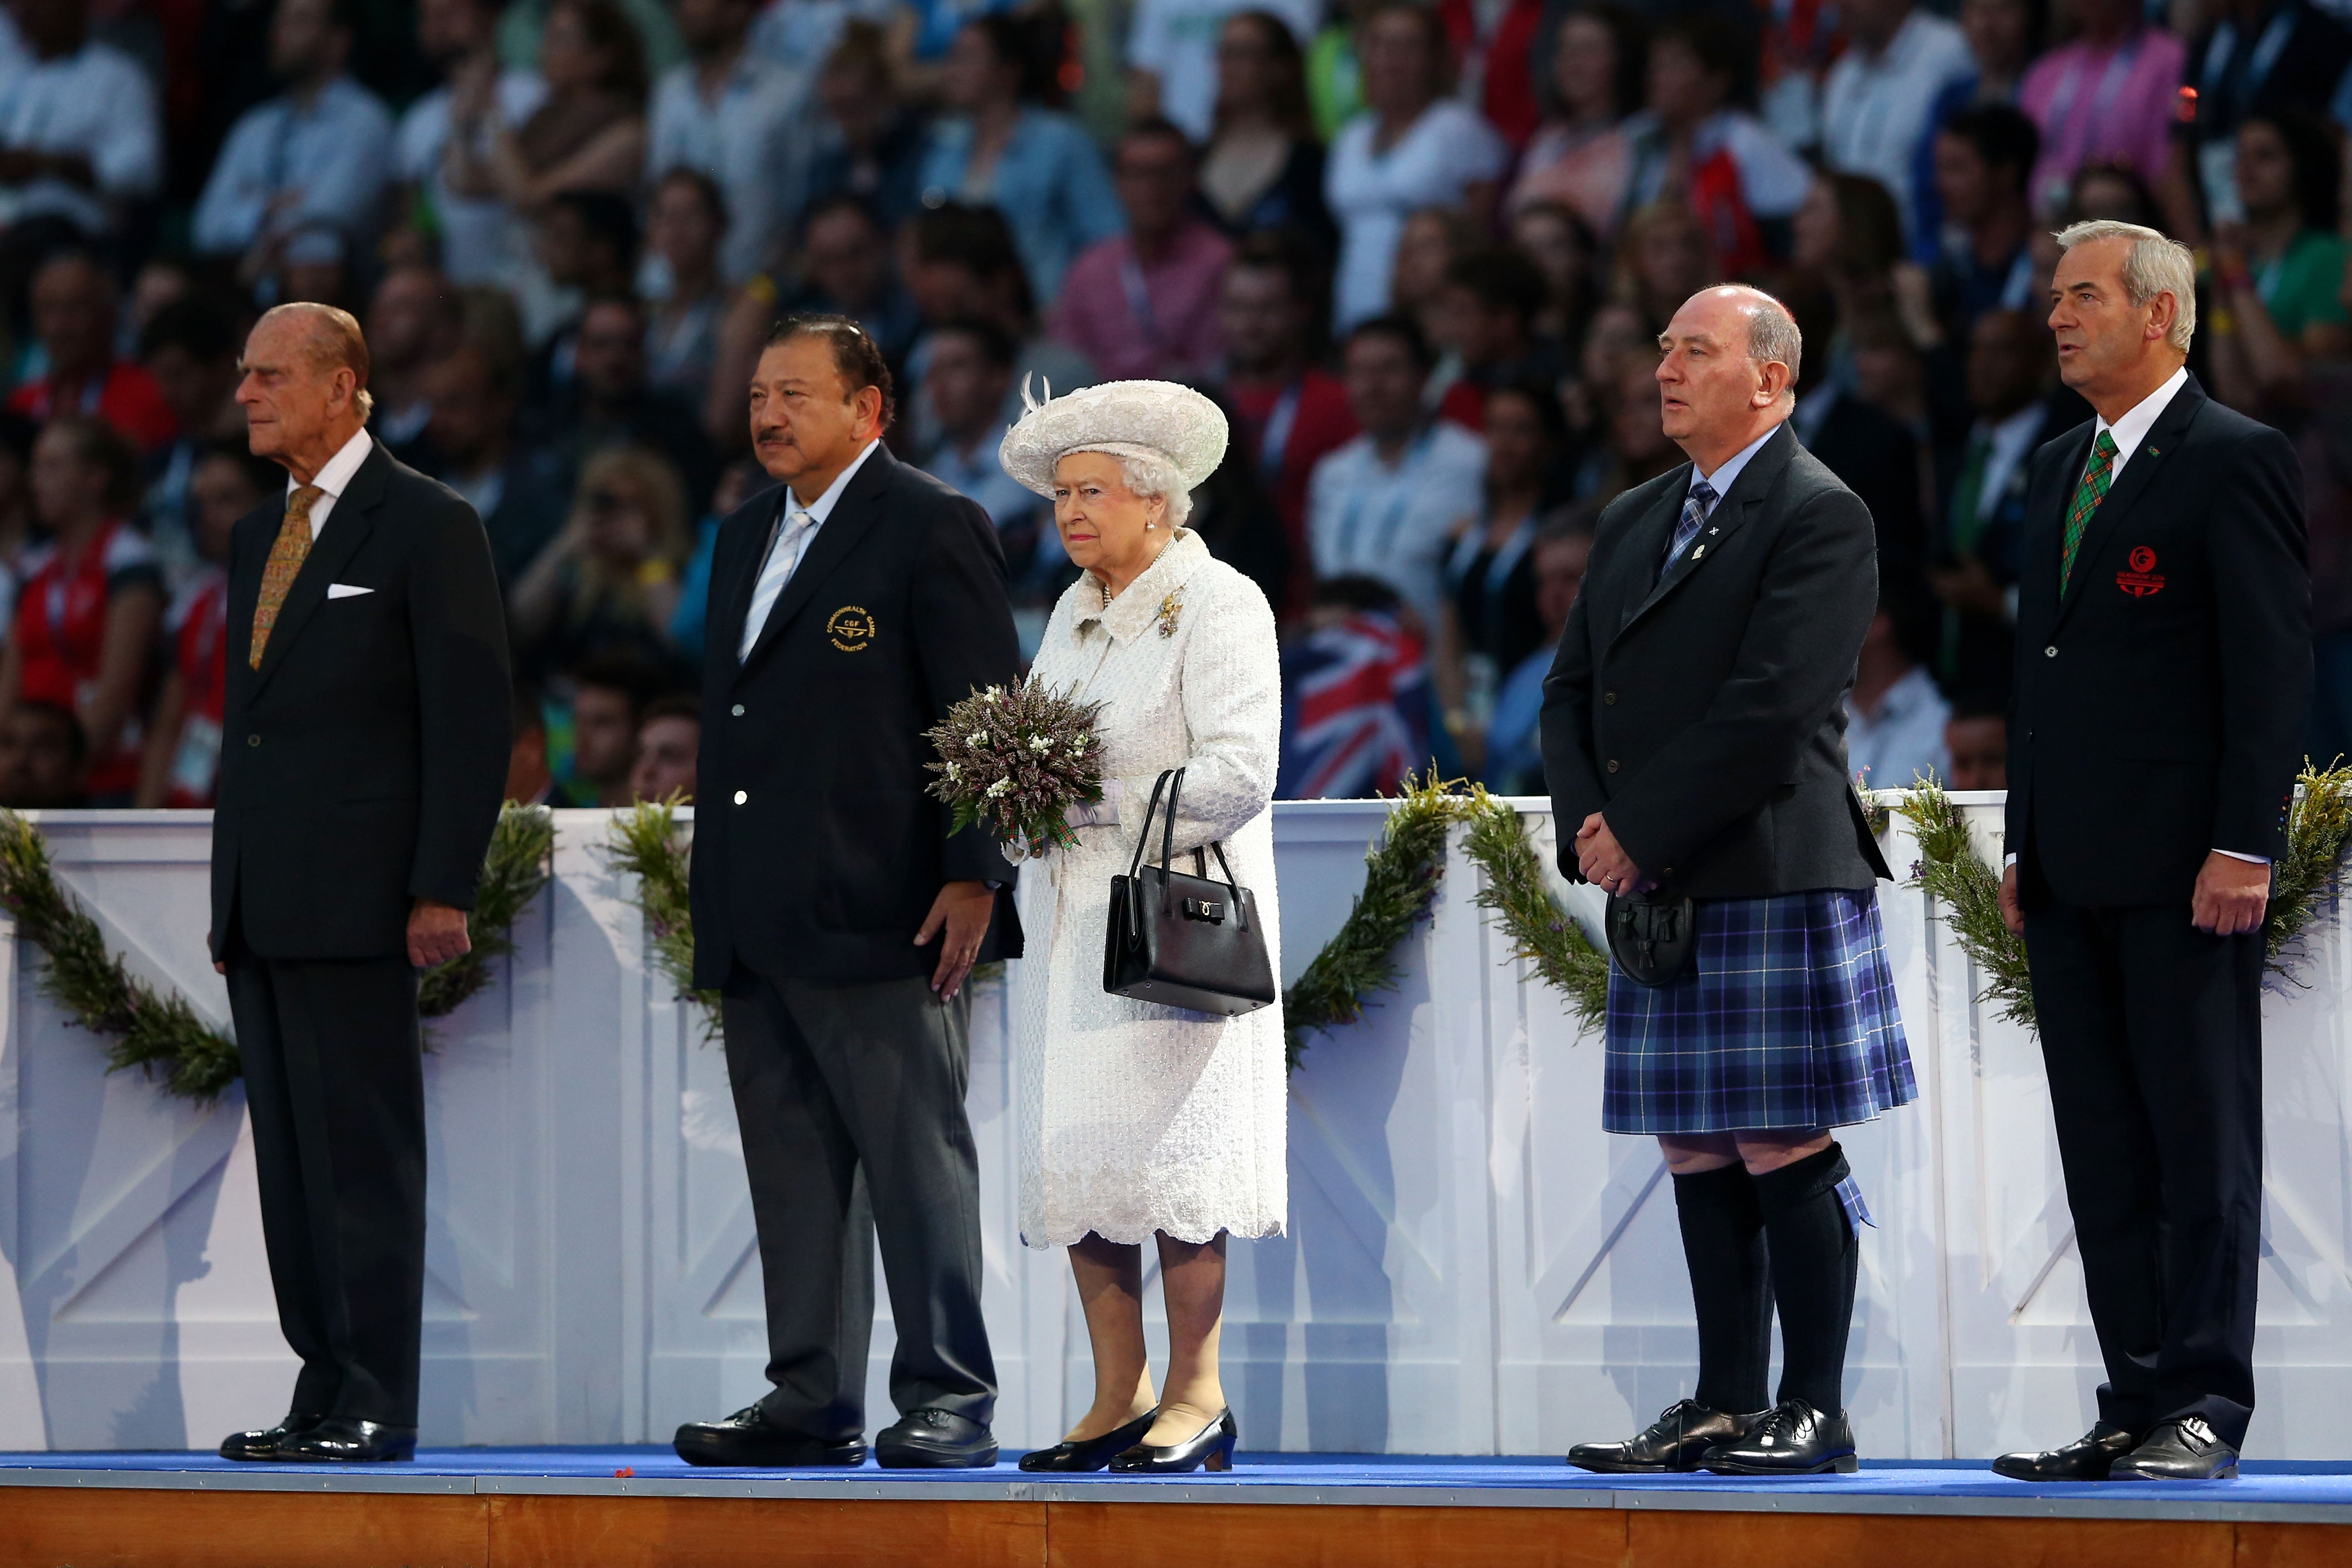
[2156, 263]
[1772, 336]
[1149, 475]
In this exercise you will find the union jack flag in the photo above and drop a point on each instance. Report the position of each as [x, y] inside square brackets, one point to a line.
[1356, 712]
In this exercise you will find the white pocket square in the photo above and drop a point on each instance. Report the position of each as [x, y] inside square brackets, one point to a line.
[346, 591]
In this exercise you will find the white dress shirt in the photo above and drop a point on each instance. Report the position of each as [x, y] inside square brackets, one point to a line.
[782, 561]
[333, 155]
[2133, 427]
[1875, 107]
[1368, 516]
[334, 480]
[96, 101]
[750, 139]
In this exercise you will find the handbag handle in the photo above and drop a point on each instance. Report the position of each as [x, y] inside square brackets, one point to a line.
[1172, 781]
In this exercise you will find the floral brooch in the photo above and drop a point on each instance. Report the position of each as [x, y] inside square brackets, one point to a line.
[1169, 608]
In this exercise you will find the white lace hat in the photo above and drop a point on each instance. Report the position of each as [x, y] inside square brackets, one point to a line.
[1126, 418]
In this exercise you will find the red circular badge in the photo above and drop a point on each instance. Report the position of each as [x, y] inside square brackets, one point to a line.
[2143, 559]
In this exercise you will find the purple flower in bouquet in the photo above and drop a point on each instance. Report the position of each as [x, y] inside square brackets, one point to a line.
[1014, 761]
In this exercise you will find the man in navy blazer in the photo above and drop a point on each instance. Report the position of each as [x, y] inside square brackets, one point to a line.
[2163, 674]
[849, 608]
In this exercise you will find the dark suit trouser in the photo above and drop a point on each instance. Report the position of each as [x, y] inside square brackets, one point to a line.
[335, 1080]
[2151, 1032]
[833, 1082]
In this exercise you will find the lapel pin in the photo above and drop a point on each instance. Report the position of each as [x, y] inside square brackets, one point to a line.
[1699, 552]
[1713, 532]
[2154, 453]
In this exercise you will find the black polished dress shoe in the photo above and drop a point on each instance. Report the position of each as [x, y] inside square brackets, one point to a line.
[934, 1440]
[2088, 1458]
[1671, 1445]
[1792, 1439]
[264, 1444]
[748, 1440]
[1091, 1453]
[1211, 1448]
[2182, 1450]
[337, 1440]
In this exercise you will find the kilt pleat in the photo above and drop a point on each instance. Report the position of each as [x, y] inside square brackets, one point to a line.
[1784, 1018]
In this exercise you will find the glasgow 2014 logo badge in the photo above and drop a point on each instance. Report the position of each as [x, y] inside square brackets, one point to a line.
[850, 629]
[2143, 578]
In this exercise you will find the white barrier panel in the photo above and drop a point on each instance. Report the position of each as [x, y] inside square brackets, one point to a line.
[1472, 1266]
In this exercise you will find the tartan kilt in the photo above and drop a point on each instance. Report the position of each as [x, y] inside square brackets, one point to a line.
[1784, 1017]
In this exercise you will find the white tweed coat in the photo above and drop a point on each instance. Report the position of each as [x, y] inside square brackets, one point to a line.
[1137, 1118]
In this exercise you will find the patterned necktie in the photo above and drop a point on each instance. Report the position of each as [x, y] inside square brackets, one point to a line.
[1696, 506]
[784, 560]
[2087, 497]
[291, 548]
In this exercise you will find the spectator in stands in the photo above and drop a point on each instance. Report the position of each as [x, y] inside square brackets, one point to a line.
[2109, 95]
[479, 238]
[18, 527]
[588, 132]
[1412, 148]
[1976, 554]
[1665, 253]
[1234, 516]
[189, 348]
[736, 117]
[80, 139]
[961, 263]
[181, 764]
[2259, 56]
[1142, 305]
[471, 444]
[2278, 276]
[319, 156]
[530, 780]
[1001, 147]
[611, 579]
[609, 403]
[1514, 760]
[1488, 305]
[1489, 622]
[1580, 158]
[869, 142]
[1984, 167]
[43, 754]
[669, 744]
[1561, 245]
[73, 317]
[412, 324]
[1976, 739]
[1355, 708]
[92, 600]
[1383, 505]
[1876, 101]
[1289, 412]
[685, 223]
[738, 482]
[966, 381]
[1495, 44]
[1895, 715]
[523, 34]
[1690, 141]
[587, 247]
[609, 689]
[2003, 38]
[1432, 240]
[1262, 167]
[845, 265]
[1848, 249]
[1873, 451]
[1177, 60]
[1636, 449]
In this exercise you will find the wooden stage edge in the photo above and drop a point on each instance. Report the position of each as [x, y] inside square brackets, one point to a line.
[81, 1520]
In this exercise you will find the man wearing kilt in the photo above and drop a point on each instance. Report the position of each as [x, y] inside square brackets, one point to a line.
[1694, 728]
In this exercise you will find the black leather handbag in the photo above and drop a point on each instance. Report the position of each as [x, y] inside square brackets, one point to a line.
[1652, 935]
[1180, 940]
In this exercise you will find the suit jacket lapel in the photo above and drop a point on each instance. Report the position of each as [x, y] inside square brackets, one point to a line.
[833, 544]
[1748, 492]
[2146, 463]
[746, 552]
[345, 530]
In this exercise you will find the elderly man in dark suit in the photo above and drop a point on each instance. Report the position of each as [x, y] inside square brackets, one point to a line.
[2163, 674]
[364, 747]
[849, 607]
[1693, 734]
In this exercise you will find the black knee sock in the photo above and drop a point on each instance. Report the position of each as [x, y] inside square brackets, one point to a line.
[1814, 1260]
[1723, 1244]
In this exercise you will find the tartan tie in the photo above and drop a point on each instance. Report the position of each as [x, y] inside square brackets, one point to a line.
[287, 554]
[1695, 507]
[2087, 497]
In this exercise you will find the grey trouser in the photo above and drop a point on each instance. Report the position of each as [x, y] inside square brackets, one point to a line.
[833, 1082]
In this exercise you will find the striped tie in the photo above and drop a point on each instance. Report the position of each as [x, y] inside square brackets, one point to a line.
[2087, 497]
[1696, 506]
[287, 554]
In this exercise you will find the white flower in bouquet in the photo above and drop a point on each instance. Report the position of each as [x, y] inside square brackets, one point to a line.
[1014, 761]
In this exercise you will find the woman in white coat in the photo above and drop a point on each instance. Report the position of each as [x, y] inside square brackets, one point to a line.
[1142, 1123]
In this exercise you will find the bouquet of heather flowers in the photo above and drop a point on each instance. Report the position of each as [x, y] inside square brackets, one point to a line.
[1016, 760]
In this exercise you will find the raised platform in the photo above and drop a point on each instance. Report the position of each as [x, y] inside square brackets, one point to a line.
[639, 1507]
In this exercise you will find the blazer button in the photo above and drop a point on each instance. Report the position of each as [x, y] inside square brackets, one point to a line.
[737, 710]
[1613, 764]
[1607, 697]
[253, 740]
[2050, 652]
[741, 795]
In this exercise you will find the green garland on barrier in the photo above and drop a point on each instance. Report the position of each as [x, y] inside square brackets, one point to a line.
[2319, 831]
[158, 1032]
[1542, 933]
[645, 843]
